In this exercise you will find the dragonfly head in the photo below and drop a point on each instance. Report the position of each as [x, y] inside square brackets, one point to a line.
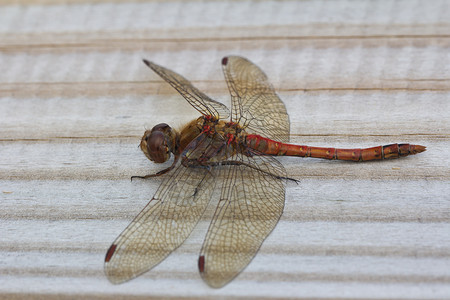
[158, 143]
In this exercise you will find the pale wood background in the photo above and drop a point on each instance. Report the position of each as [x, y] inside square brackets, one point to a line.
[75, 99]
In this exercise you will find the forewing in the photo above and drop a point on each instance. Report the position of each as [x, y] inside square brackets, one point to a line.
[197, 99]
[255, 105]
[251, 203]
[162, 225]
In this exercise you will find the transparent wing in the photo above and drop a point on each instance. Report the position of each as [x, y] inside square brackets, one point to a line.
[197, 99]
[162, 225]
[250, 206]
[255, 105]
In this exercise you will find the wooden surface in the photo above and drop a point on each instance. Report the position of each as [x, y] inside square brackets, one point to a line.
[75, 99]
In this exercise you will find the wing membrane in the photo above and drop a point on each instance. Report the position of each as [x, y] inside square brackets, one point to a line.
[162, 225]
[196, 98]
[255, 105]
[250, 206]
[252, 197]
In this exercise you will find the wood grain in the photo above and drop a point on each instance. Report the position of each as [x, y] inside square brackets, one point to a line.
[75, 99]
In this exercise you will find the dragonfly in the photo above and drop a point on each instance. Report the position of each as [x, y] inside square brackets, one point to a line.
[235, 150]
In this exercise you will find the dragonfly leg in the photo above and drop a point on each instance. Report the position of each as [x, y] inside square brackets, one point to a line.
[240, 163]
[162, 172]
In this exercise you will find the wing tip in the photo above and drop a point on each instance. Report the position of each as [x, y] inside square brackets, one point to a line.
[146, 62]
[201, 263]
[225, 61]
[110, 252]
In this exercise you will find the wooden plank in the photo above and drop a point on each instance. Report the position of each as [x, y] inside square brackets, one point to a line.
[75, 99]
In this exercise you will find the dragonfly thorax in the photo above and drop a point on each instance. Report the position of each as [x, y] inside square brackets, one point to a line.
[158, 143]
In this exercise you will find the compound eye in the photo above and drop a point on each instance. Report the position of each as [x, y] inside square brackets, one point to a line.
[160, 127]
[157, 147]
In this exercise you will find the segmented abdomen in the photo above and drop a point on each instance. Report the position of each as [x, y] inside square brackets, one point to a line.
[271, 147]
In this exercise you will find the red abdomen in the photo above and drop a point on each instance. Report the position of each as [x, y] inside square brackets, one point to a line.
[270, 147]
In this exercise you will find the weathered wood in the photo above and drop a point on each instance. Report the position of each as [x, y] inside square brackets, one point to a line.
[75, 99]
